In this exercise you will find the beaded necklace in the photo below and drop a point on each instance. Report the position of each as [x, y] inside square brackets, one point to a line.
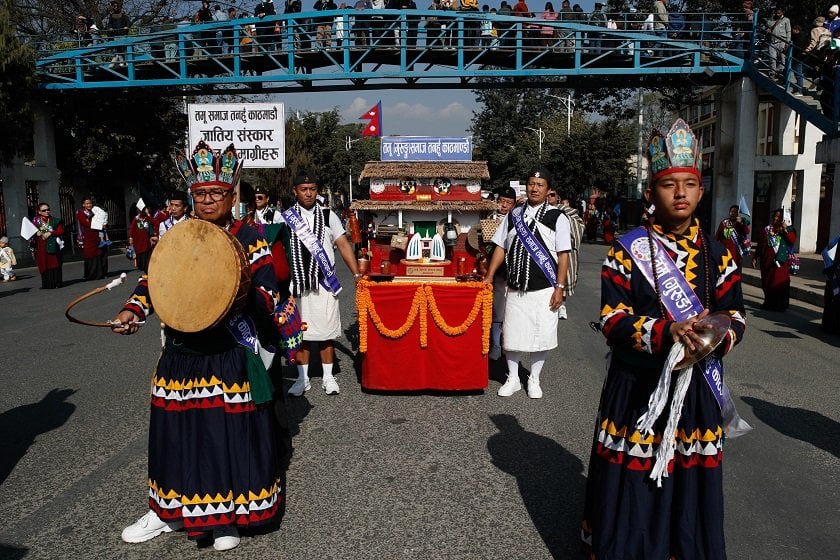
[706, 270]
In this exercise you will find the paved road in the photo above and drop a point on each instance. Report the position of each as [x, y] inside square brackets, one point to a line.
[398, 476]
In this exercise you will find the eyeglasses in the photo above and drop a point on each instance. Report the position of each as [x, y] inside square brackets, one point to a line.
[215, 195]
[261, 196]
[44, 210]
[552, 195]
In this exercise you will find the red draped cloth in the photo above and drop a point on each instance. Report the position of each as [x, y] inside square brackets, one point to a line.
[451, 363]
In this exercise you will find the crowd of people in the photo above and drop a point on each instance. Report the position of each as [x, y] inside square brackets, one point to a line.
[268, 34]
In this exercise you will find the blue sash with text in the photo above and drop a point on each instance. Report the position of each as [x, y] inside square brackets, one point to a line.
[313, 245]
[537, 252]
[679, 299]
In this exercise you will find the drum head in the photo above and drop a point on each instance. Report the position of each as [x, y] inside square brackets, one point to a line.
[194, 275]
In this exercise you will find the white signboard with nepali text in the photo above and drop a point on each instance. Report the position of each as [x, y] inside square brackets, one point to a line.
[425, 148]
[257, 130]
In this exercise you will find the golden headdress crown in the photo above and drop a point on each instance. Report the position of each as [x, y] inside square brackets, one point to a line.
[208, 167]
[676, 152]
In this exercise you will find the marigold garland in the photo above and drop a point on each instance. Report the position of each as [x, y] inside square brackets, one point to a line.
[424, 300]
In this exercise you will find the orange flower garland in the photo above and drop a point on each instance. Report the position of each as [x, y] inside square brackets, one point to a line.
[424, 299]
[365, 307]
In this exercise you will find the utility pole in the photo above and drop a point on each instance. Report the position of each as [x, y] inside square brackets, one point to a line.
[568, 104]
[540, 136]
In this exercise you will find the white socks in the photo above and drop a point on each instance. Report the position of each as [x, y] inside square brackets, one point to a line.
[537, 363]
[303, 371]
[513, 363]
[328, 370]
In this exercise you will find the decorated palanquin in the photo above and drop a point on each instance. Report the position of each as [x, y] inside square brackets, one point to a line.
[426, 199]
[424, 316]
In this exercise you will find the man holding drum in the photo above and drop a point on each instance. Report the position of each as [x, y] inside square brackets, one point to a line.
[216, 464]
[315, 230]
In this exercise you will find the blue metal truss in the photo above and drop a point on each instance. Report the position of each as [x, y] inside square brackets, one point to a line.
[379, 49]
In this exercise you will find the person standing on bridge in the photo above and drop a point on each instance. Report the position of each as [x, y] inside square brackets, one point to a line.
[117, 26]
[655, 482]
[780, 33]
[660, 23]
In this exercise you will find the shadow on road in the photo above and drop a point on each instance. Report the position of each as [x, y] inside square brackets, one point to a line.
[21, 425]
[11, 552]
[8, 293]
[550, 480]
[798, 423]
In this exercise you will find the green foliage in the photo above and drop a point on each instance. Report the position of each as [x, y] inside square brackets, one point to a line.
[589, 153]
[105, 138]
[17, 83]
[317, 143]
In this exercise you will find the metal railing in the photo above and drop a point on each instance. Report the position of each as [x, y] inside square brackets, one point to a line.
[354, 45]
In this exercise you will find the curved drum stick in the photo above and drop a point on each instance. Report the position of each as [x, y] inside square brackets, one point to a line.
[109, 286]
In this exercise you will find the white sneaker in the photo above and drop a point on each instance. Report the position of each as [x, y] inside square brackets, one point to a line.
[225, 538]
[330, 385]
[300, 386]
[148, 527]
[511, 386]
[562, 312]
[534, 389]
[495, 353]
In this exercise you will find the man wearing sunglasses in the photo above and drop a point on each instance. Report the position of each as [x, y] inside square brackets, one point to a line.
[265, 212]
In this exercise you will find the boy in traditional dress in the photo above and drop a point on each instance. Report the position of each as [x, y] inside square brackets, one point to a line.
[655, 482]
[533, 242]
[315, 230]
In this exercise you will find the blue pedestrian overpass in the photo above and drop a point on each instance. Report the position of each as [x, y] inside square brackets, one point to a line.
[396, 49]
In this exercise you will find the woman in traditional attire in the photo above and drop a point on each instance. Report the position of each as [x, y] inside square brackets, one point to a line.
[96, 264]
[773, 256]
[140, 234]
[48, 246]
[216, 461]
[734, 232]
[608, 228]
[650, 495]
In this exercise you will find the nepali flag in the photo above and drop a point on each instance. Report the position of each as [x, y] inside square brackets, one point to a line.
[374, 127]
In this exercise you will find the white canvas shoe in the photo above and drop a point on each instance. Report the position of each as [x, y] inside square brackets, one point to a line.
[511, 386]
[225, 538]
[300, 386]
[330, 385]
[148, 527]
[534, 389]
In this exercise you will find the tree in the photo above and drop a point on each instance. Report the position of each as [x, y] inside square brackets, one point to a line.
[37, 17]
[500, 129]
[317, 143]
[105, 140]
[17, 83]
[507, 133]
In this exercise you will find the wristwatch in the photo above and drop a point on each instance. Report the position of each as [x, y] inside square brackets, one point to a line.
[561, 286]
[357, 275]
